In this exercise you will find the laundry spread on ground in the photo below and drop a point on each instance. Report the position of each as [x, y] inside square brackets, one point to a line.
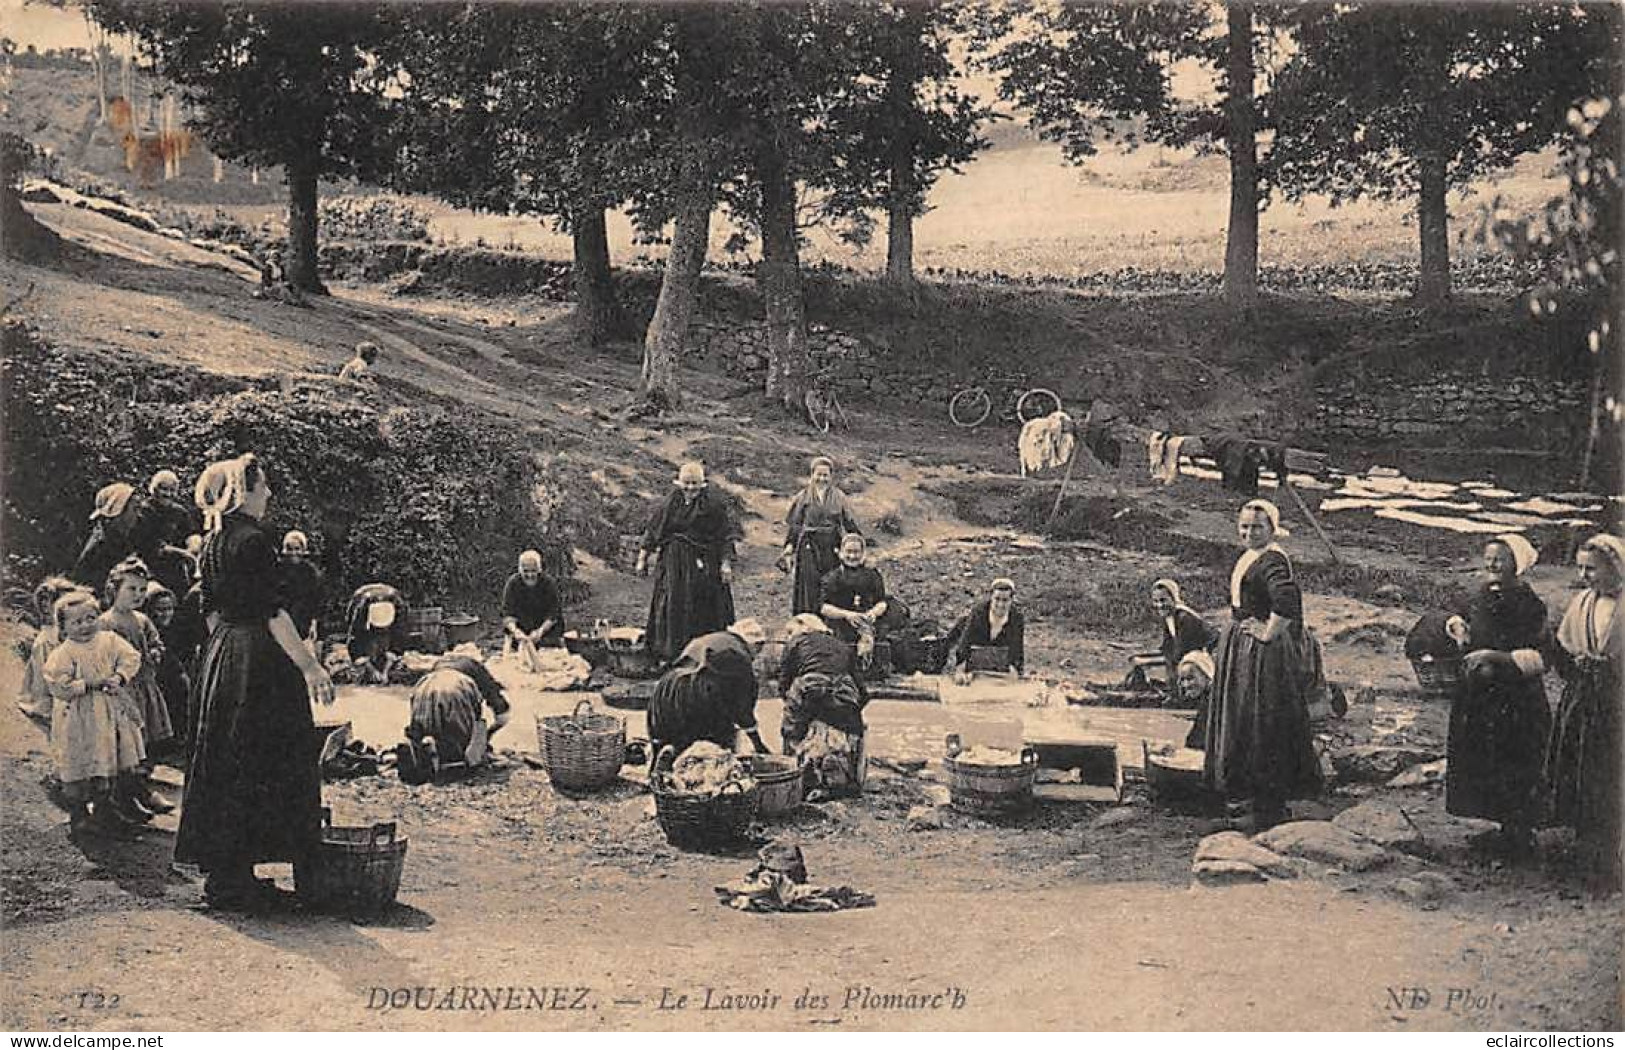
[779, 884]
[1432, 521]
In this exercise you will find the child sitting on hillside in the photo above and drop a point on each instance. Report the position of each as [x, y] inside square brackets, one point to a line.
[359, 367]
[126, 591]
[34, 699]
[95, 728]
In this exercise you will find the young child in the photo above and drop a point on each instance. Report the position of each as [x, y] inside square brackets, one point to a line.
[126, 591]
[359, 367]
[95, 728]
[160, 608]
[35, 697]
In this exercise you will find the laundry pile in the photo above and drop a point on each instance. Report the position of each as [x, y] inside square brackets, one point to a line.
[779, 884]
[705, 767]
[1046, 442]
[552, 670]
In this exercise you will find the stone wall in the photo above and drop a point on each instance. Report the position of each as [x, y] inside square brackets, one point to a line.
[863, 367]
[1452, 409]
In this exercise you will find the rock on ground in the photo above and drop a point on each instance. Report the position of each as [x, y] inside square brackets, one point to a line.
[1424, 775]
[1234, 847]
[924, 818]
[1380, 821]
[1377, 763]
[1225, 872]
[1322, 841]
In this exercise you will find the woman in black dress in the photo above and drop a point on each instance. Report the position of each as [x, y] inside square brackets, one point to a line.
[819, 517]
[1499, 718]
[1583, 759]
[115, 534]
[1183, 629]
[693, 534]
[1258, 743]
[253, 790]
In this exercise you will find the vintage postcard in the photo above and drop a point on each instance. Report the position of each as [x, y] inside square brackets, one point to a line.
[825, 515]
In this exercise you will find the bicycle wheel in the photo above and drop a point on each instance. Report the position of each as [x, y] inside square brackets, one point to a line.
[817, 411]
[969, 407]
[1037, 402]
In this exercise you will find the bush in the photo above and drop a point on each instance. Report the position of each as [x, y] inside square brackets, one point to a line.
[372, 218]
[419, 497]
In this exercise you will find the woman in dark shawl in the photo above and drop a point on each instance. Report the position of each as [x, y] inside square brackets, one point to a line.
[1258, 742]
[1583, 759]
[253, 789]
[1183, 629]
[693, 534]
[115, 534]
[1499, 719]
[818, 518]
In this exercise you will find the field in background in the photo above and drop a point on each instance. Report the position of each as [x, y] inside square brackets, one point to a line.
[1018, 209]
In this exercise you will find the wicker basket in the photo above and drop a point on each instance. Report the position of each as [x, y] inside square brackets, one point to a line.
[1437, 677]
[990, 789]
[357, 870]
[720, 819]
[581, 750]
[779, 781]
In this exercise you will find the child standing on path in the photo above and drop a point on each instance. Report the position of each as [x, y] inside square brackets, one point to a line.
[126, 592]
[95, 728]
[35, 696]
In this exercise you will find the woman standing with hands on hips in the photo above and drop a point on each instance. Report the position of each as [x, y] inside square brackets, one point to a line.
[253, 791]
[1258, 742]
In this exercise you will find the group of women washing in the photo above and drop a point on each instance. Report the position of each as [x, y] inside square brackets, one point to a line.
[1512, 759]
[105, 670]
[840, 613]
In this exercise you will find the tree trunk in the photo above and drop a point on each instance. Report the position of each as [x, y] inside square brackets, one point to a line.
[1241, 243]
[779, 277]
[598, 316]
[900, 220]
[301, 261]
[679, 288]
[1433, 225]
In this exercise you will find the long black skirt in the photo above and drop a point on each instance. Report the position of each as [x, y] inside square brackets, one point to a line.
[817, 553]
[253, 789]
[1497, 744]
[1583, 760]
[1258, 740]
[689, 600]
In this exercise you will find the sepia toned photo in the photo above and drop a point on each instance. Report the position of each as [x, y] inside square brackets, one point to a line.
[811, 516]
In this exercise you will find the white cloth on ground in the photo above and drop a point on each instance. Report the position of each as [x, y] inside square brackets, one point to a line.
[1162, 456]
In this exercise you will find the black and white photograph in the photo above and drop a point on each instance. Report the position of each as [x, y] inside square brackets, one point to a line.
[811, 516]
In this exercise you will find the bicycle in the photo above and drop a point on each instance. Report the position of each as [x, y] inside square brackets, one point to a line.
[971, 406]
[821, 402]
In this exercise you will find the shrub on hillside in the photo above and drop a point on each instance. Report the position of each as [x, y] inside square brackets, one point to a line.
[418, 497]
[372, 218]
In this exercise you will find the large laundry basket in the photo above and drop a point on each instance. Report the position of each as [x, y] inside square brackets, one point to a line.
[581, 750]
